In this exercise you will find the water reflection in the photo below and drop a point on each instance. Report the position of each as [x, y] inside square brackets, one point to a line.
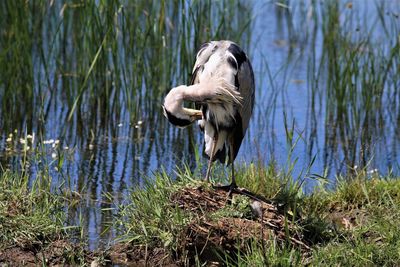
[111, 76]
[324, 68]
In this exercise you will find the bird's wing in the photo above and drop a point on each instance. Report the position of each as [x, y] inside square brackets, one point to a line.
[245, 79]
[244, 82]
[203, 54]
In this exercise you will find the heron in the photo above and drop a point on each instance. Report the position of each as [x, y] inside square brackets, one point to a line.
[222, 87]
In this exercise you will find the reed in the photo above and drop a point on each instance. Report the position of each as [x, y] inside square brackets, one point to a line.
[94, 74]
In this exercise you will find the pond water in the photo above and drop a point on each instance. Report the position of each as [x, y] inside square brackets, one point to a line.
[91, 97]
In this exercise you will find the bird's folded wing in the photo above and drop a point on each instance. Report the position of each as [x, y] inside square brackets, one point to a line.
[213, 91]
[246, 89]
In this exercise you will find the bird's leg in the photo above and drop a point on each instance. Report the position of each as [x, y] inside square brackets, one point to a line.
[214, 144]
[232, 187]
[233, 181]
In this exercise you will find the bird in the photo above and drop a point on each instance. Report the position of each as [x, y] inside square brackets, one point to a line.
[222, 88]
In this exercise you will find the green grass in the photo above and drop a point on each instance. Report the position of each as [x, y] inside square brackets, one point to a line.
[90, 55]
[32, 220]
[351, 54]
[360, 84]
[375, 236]
[160, 222]
[355, 223]
[27, 216]
[351, 223]
[94, 63]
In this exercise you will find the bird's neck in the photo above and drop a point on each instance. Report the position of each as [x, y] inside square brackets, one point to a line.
[174, 110]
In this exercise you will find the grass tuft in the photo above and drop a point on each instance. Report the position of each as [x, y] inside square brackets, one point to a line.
[353, 223]
[32, 229]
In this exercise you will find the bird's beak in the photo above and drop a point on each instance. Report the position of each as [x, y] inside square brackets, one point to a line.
[196, 115]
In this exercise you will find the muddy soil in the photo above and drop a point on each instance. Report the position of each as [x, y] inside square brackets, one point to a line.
[204, 236]
[64, 253]
[57, 253]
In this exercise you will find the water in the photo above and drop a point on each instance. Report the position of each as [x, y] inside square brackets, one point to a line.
[117, 135]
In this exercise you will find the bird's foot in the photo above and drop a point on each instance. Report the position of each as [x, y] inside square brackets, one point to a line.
[233, 188]
[229, 188]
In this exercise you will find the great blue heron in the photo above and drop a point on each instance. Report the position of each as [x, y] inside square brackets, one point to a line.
[223, 85]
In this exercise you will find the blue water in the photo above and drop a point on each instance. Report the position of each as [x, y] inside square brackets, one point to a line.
[118, 153]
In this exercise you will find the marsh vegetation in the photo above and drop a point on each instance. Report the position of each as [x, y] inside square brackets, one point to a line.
[81, 124]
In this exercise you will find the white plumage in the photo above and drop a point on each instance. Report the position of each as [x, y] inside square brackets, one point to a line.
[223, 86]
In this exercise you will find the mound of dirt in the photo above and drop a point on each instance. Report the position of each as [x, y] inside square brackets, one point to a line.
[130, 255]
[57, 253]
[65, 253]
[229, 233]
[205, 236]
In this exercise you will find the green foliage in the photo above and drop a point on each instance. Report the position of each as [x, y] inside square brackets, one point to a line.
[32, 221]
[103, 55]
[163, 224]
[34, 218]
[240, 208]
[374, 242]
[269, 254]
[28, 217]
[260, 179]
[160, 223]
[369, 206]
[361, 75]
[373, 237]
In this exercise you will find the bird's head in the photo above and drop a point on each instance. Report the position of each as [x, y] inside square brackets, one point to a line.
[178, 119]
[174, 110]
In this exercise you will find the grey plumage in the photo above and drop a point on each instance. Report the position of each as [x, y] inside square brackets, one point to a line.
[222, 85]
